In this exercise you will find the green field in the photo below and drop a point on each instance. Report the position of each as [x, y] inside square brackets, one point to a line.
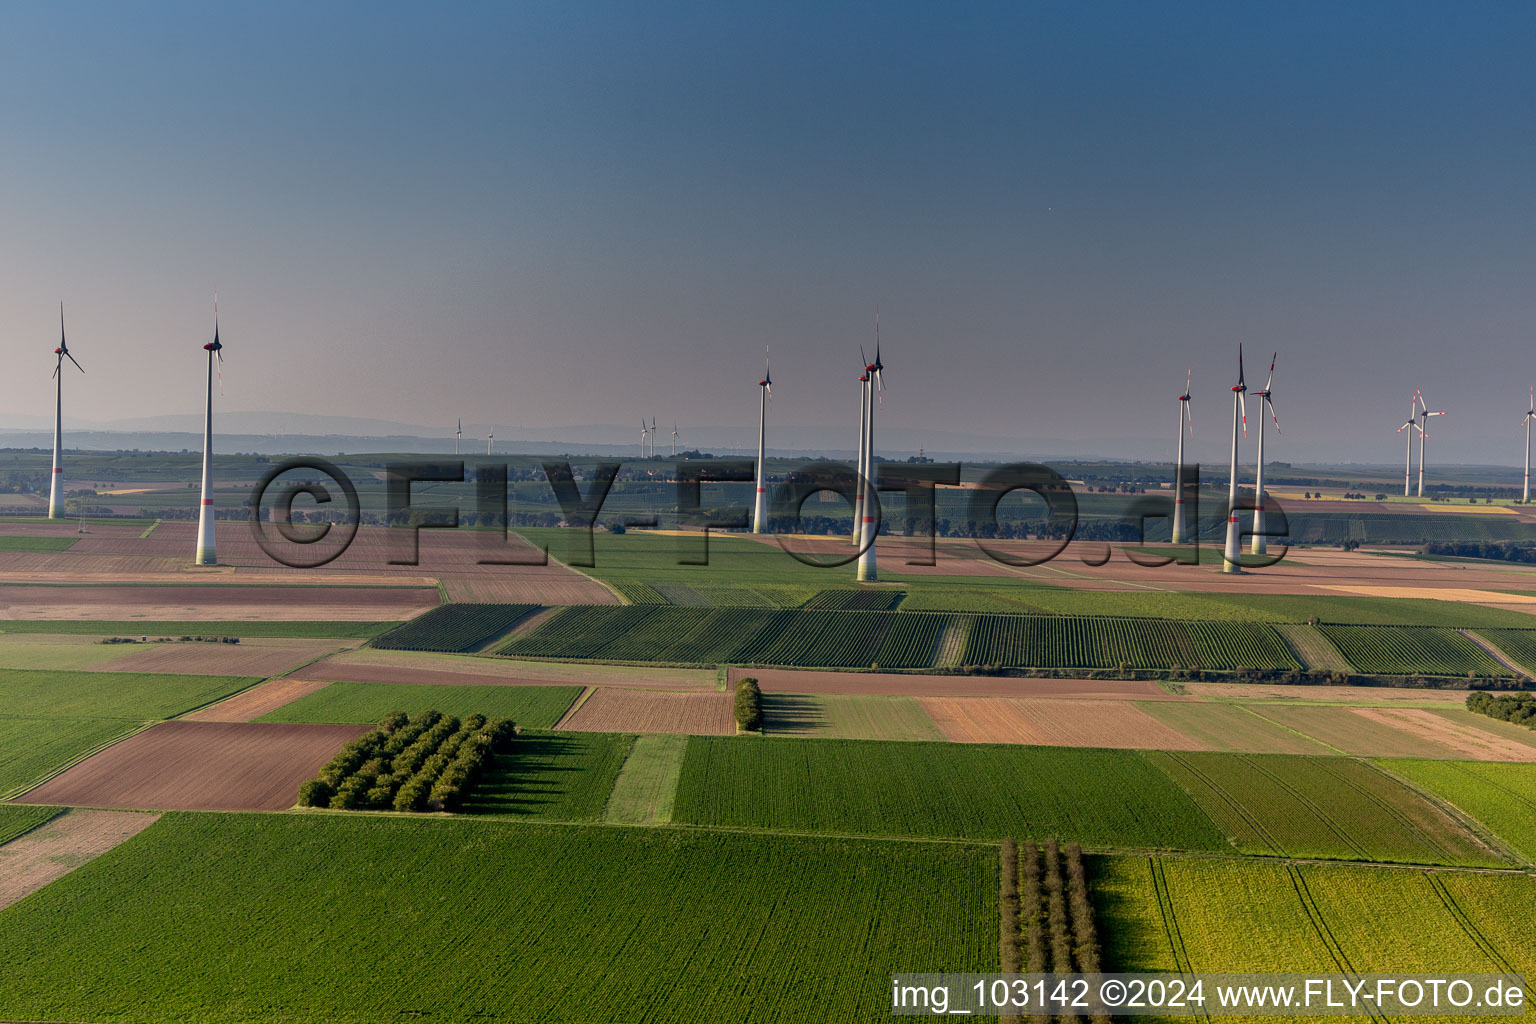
[138, 627]
[33, 748]
[16, 819]
[1501, 797]
[1171, 913]
[1518, 644]
[35, 544]
[16, 653]
[847, 716]
[564, 776]
[646, 788]
[531, 707]
[453, 628]
[1337, 808]
[1231, 726]
[316, 917]
[1345, 732]
[1101, 798]
[1411, 650]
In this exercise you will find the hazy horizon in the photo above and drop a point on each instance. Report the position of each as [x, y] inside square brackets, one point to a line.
[557, 216]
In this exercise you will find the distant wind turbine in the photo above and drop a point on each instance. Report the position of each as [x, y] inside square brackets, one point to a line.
[644, 431]
[56, 478]
[653, 437]
[206, 552]
[458, 435]
[1424, 415]
[1185, 422]
[1257, 545]
[1410, 426]
[765, 387]
[876, 386]
[490, 439]
[858, 497]
[1232, 554]
[674, 439]
[1525, 498]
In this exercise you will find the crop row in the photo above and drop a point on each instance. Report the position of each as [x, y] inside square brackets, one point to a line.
[454, 628]
[1054, 641]
[1410, 650]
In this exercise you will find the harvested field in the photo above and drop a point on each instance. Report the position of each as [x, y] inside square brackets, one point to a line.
[58, 847]
[1459, 734]
[200, 766]
[903, 685]
[1223, 726]
[1056, 723]
[1329, 694]
[1349, 731]
[646, 786]
[211, 659]
[251, 704]
[651, 711]
[24, 651]
[847, 717]
[567, 588]
[531, 707]
[217, 603]
[410, 667]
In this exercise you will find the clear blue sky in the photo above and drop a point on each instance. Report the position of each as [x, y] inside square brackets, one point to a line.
[563, 213]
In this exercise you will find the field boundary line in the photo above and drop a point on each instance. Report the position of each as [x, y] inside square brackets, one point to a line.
[1324, 931]
[1293, 730]
[149, 529]
[25, 788]
[581, 698]
[1171, 930]
[1488, 836]
[56, 812]
[1494, 651]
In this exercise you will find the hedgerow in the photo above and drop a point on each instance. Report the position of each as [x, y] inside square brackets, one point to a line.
[749, 705]
[1519, 708]
[422, 762]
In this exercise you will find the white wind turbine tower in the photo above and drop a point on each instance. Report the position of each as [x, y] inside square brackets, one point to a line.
[643, 432]
[1186, 421]
[458, 435]
[206, 552]
[1424, 415]
[765, 386]
[653, 437]
[1232, 554]
[869, 534]
[56, 478]
[1410, 426]
[674, 439]
[490, 438]
[1257, 544]
[1525, 497]
[858, 496]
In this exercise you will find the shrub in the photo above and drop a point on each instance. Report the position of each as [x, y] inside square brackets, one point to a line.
[316, 793]
[749, 705]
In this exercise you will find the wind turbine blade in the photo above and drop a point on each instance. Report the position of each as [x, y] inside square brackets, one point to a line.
[1240, 378]
[1272, 414]
[1242, 401]
[1271, 378]
[76, 362]
[1189, 418]
[1187, 373]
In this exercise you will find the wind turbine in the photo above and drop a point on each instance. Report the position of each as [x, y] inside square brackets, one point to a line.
[765, 386]
[1525, 498]
[674, 439]
[1185, 421]
[490, 438]
[206, 553]
[1257, 545]
[1424, 415]
[858, 496]
[876, 385]
[653, 437]
[1232, 554]
[458, 435]
[643, 432]
[56, 478]
[1413, 414]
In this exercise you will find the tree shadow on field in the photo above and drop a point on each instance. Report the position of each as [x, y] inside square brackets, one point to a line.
[792, 714]
[535, 774]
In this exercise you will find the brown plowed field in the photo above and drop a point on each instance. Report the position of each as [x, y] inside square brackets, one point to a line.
[213, 659]
[370, 666]
[898, 684]
[223, 602]
[1053, 722]
[697, 714]
[200, 766]
[57, 847]
[251, 704]
[520, 589]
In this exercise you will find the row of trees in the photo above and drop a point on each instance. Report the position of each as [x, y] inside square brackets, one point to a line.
[749, 705]
[423, 762]
[1502, 551]
[1519, 708]
[1044, 900]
